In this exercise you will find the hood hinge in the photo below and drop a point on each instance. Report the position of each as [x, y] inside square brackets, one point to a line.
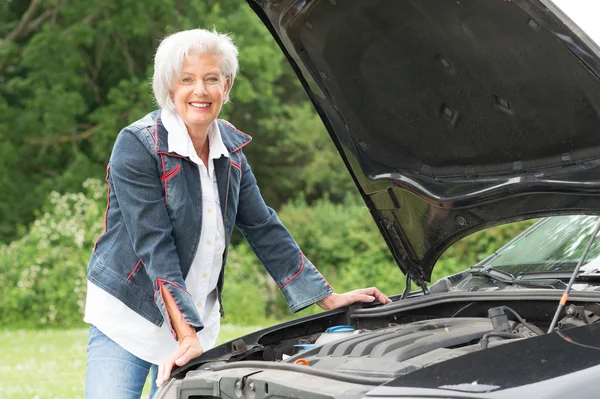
[399, 248]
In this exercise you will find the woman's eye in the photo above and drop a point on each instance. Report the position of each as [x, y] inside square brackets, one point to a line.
[213, 79]
[186, 80]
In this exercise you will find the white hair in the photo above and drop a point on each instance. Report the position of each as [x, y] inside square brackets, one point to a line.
[169, 58]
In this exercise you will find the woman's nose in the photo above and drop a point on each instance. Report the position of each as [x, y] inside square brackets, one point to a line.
[199, 89]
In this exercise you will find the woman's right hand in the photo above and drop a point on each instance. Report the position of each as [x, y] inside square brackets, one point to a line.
[189, 348]
[335, 301]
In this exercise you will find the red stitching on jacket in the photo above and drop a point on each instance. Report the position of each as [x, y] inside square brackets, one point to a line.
[107, 206]
[164, 172]
[239, 131]
[160, 281]
[134, 269]
[295, 275]
[165, 176]
[172, 173]
[155, 138]
[235, 164]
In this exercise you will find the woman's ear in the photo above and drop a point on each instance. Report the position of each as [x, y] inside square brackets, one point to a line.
[227, 88]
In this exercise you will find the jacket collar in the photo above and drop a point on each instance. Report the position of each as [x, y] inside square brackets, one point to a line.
[233, 139]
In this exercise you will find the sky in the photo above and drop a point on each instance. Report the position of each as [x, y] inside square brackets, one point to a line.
[585, 13]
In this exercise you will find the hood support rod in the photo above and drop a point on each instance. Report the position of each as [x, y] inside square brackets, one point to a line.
[565, 296]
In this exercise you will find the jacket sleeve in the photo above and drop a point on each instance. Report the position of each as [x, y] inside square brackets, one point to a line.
[300, 282]
[135, 177]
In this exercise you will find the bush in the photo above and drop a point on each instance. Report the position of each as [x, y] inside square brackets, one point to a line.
[43, 274]
[340, 239]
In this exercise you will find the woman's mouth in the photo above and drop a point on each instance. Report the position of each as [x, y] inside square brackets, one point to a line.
[200, 105]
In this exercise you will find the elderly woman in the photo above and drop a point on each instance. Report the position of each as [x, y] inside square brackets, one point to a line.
[178, 182]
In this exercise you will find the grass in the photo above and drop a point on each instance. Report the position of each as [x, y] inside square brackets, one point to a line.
[50, 364]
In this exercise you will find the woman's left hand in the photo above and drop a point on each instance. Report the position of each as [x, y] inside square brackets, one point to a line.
[334, 300]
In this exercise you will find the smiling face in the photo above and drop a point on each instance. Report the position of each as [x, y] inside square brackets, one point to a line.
[199, 94]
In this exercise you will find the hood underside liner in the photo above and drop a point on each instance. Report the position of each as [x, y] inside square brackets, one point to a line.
[452, 116]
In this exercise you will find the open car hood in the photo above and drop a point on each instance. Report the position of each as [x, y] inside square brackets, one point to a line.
[451, 116]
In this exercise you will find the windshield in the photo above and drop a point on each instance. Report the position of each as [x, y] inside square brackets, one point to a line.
[553, 244]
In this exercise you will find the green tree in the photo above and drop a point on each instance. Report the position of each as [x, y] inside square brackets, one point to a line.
[73, 73]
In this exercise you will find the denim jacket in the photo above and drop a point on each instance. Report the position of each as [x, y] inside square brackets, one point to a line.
[154, 217]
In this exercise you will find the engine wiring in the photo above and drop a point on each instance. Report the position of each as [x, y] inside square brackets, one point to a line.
[572, 341]
[536, 330]
[530, 326]
[486, 338]
[503, 329]
[468, 305]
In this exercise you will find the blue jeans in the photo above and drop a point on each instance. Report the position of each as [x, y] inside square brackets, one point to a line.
[112, 372]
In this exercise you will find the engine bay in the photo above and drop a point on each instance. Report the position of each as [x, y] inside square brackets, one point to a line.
[410, 342]
[351, 351]
[398, 349]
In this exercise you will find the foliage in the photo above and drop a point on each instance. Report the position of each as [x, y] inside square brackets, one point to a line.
[43, 273]
[74, 73]
[340, 239]
[301, 157]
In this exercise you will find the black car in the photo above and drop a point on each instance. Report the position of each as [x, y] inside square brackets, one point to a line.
[452, 116]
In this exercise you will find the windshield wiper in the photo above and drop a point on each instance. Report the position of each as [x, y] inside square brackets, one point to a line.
[491, 272]
[509, 279]
[593, 276]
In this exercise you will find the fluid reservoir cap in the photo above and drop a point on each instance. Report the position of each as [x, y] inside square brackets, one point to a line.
[304, 347]
[340, 329]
